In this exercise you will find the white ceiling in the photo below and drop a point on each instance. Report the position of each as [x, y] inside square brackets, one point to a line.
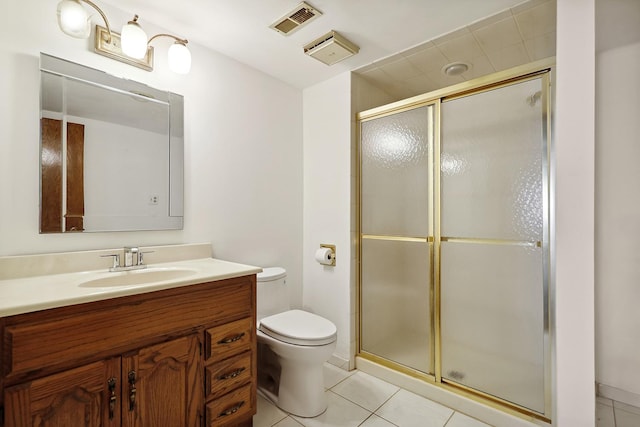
[240, 28]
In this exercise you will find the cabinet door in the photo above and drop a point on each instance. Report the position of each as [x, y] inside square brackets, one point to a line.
[87, 396]
[162, 385]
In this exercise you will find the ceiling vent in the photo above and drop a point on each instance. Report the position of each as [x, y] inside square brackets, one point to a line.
[301, 15]
[331, 48]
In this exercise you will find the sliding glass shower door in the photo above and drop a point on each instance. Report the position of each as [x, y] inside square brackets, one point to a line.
[397, 238]
[492, 277]
[454, 240]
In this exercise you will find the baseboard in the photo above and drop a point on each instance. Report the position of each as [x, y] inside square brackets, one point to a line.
[340, 362]
[619, 395]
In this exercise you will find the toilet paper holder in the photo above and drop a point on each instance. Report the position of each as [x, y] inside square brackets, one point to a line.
[333, 253]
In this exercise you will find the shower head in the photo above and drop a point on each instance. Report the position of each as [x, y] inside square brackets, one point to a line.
[532, 100]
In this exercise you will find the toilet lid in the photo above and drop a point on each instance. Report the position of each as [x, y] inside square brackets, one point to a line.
[269, 274]
[299, 327]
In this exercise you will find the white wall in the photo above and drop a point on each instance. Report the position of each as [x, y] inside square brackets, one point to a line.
[573, 288]
[329, 199]
[243, 147]
[328, 188]
[618, 222]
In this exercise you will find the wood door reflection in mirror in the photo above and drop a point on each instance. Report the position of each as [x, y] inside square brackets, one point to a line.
[56, 216]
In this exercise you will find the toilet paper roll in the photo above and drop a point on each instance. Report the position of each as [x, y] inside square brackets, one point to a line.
[323, 256]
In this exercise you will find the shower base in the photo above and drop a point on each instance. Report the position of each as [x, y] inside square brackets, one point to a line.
[449, 397]
[464, 365]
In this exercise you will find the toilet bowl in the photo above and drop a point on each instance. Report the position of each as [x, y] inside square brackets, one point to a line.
[292, 347]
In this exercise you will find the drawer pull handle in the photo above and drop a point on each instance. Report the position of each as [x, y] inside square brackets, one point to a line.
[111, 383]
[132, 390]
[232, 410]
[231, 339]
[231, 374]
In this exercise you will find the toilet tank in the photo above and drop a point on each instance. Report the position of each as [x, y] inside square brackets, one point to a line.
[273, 296]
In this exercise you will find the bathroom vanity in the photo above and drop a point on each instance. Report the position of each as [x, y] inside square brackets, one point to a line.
[174, 352]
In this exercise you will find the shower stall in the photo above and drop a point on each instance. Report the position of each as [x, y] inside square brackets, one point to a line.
[453, 229]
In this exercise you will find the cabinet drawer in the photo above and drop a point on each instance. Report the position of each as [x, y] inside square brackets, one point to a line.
[229, 339]
[224, 376]
[231, 408]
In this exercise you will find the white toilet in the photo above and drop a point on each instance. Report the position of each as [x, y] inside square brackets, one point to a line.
[292, 347]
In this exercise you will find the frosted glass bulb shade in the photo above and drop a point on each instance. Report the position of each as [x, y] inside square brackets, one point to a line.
[73, 19]
[134, 40]
[179, 58]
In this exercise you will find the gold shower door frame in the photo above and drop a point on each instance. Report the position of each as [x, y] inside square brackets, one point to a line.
[538, 70]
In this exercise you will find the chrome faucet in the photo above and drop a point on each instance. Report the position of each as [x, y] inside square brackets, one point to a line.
[128, 256]
[115, 264]
[129, 253]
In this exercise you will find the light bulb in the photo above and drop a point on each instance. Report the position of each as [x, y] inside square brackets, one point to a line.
[134, 39]
[179, 58]
[73, 19]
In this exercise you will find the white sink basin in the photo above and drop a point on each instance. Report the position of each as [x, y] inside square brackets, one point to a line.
[138, 277]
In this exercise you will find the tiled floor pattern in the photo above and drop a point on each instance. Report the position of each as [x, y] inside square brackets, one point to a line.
[610, 413]
[358, 399]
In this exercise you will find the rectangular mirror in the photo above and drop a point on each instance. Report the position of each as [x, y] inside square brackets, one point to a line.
[111, 152]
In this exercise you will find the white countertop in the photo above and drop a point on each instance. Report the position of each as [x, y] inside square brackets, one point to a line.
[28, 294]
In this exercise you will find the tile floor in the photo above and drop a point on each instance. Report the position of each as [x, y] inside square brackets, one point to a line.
[610, 413]
[359, 399]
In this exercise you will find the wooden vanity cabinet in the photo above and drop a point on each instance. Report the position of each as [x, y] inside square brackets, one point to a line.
[173, 358]
[155, 386]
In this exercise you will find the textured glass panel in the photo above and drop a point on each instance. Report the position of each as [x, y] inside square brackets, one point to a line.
[491, 164]
[396, 318]
[492, 320]
[395, 173]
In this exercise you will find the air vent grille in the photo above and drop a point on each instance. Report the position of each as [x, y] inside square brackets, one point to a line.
[318, 42]
[301, 15]
[286, 26]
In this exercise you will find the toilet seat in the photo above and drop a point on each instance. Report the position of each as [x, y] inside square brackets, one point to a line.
[299, 328]
[269, 274]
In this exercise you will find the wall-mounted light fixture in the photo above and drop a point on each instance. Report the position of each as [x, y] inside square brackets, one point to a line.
[131, 46]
